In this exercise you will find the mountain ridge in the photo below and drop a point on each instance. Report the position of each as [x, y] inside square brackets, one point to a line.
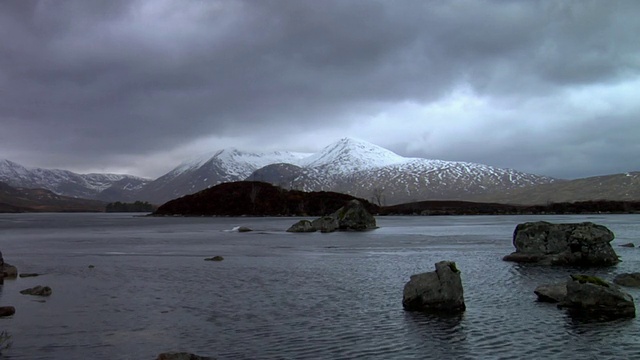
[349, 166]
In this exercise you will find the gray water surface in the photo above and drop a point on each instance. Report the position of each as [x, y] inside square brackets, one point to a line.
[289, 296]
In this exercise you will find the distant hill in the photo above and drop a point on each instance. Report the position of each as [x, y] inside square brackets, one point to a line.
[618, 187]
[254, 198]
[39, 200]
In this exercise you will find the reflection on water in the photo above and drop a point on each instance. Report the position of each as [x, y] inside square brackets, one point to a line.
[280, 295]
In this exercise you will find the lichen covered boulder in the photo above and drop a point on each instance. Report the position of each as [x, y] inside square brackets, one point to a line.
[593, 297]
[326, 224]
[435, 292]
[582, 244]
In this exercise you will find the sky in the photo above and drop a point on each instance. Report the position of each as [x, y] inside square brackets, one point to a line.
[139, 86]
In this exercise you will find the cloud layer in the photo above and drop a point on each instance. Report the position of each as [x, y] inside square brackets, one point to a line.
[136, 86]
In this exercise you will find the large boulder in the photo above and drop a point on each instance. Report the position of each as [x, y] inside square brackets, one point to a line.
[628, 280]
[583, 244]
[436, 292]
[593, 297]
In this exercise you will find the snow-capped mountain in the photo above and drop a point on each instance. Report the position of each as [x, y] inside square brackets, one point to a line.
[377, 174]
[350, 166]
[204, 171]
[67, 183]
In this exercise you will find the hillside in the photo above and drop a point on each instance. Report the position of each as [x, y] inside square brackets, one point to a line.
[617, 187]
[40, 200]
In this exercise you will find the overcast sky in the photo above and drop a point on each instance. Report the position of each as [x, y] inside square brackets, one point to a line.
[548, 87]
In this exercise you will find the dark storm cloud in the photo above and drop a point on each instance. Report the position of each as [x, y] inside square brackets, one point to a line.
[86, 82]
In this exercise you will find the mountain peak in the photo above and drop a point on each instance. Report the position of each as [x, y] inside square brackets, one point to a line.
[349, 154]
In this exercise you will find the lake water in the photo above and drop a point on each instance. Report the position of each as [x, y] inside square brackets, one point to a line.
[279, 295]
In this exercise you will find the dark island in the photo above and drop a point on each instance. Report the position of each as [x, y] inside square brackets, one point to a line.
[252, 198]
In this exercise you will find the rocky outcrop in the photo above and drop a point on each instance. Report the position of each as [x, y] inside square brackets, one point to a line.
[436, 292]
[629, 245]
[628, 280]
[593, 297]
[583, 244]
[182, 356]
[7, 311]
[552, 293]
[302, 226]
[351, 217]
[37, 291]
[326, 224]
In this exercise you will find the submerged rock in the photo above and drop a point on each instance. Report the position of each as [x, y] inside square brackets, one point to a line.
[37, 291]
[215, 258]
[438, 292]
[244, 229]
[25, 275]
[629, 245]
[182, 356]
[629, 280]
[7, 311]
[591, 296]
[583, 244]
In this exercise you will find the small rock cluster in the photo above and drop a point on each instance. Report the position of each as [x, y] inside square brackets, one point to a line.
[351, 217]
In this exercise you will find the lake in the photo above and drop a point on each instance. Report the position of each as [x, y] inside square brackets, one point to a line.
[281, 295]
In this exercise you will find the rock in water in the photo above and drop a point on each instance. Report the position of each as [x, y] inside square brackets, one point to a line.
[214, 258]
[8, 271]
[351, 217]
[326, 224]
[629, 280]
[7, 311]
[38, 291]
[583, 244]
[182, 356]
[354, 216]
[593, 297]
[552, 293]
[302, 226]
[437, 292]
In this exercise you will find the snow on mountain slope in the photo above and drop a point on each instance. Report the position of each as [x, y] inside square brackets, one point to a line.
[348, 155]
[64, 182]
[238, 163]
[366, 170]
